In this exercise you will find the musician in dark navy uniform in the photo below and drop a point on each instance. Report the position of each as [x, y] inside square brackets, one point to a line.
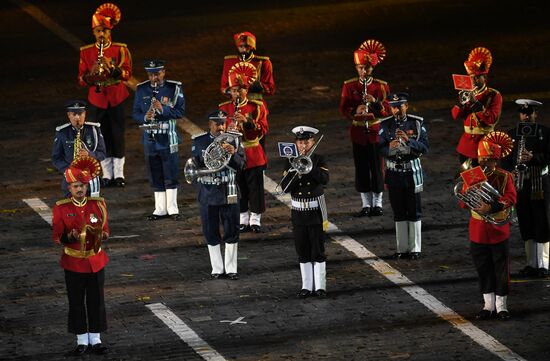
[403, 140]
[63, 146]
[533, 186]
[157, 105]
[309, 214]
[218, 198]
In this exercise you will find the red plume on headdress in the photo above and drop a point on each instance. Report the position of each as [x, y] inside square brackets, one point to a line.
[107, 15]
[479, 61]
[376, 52]
[83, 169]
[242, 74]
[495, 145]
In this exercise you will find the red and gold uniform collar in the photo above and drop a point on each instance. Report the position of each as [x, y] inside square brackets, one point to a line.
[243, 103]
[479, 91]
[107, 45]
[82, 203]
[247, 59]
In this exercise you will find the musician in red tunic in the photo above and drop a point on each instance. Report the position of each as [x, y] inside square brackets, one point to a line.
[480, 109]
[490, 227]
[264, 84]
[363, 102]
[104, 76]
[80, 225]
[250, 118]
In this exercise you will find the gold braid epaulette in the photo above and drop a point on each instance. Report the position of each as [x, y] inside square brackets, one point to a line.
[63, 201]
[257, 102]
[261, 57]
[230, 57]
[380, 81]
[120, 44]
[351, 80]
[86, 46]
[97, 199]
[227, 102]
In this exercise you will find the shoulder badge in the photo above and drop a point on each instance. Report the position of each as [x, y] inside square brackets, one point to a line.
[93, 124]
[62, 126]
[63, 201]
[174, 82]
[195, 136]
[257, 102]
[351, 80]
[230, 57]
[101, 199]
[415, 117]
[261, 57]
[121, 44]
[86, 47]
[380, 81]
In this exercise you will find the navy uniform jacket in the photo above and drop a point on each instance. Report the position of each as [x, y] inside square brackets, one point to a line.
[214, 188]
[307, 190]
[63, 145]
[399, 168]
[170, 94]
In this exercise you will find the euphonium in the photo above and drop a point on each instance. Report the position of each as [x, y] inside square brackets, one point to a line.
[215, 157]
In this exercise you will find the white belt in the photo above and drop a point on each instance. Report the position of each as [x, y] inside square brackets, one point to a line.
[398, 167]
[304, 205]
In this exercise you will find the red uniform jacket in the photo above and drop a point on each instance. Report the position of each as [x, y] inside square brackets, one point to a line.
[264, 74]
[255, 110]
[484, 232]
[113, 90]
[352, 97]
[477, 124]
[79, 256]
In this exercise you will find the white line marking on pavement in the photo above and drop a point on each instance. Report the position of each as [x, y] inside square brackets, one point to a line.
[238, 320]
[41, 208]
[185, 332]
[121, 237]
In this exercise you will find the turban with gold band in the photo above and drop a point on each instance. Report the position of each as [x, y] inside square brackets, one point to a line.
[242, 74]
[371, 52]
[495, 145]
[106, 15]
[245, 37]
[479, 61]
[82, 169]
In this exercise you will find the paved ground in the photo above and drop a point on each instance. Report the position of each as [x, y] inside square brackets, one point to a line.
[365, 317]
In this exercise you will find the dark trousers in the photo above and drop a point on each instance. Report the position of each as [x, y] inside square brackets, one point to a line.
[309, 242]
[368, 168]
[251, 184]
[86, 302]
[163, 170]
[211, 216]
[113, 126]
[532, 220]
[405, 203]
[492, 263]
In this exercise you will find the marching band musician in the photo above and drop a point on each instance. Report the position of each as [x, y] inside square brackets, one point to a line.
[480, 108]
[104, 66]
[218, 199]
[309, 214]
[264, 84]
[157, 105]
[403, 140]
[80, 225]
[92, 143]
[530, 169]
[363, 101]
[250, 118]
[489, 245]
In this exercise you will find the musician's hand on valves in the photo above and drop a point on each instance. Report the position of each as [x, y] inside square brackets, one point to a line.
[157, 105]
[73, 235]
[394, 143]
[484, 208]
[361, 109]
[400, 134]
[526, 156]
[229, 148]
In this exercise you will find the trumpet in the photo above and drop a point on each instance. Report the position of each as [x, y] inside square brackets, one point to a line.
[299, 166]
[100, 62]
[465, 96]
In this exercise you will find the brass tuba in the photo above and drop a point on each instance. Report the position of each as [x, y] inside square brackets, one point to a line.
[215, 157]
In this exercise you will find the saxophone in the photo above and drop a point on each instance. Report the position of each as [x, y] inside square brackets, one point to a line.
[77, 144]
[520, 168]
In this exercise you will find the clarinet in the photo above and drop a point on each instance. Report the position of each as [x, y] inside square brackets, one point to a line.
[153, 120]
[100, 62]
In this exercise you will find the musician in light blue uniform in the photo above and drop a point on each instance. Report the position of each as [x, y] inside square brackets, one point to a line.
[403, 140]
[92, 143]
[219, 197]
[157, 105]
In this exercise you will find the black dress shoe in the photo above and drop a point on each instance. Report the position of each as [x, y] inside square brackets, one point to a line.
[243, 228]
[503, 315]
[542, 272]
[415, 255]
[255, 228]
[233, 276]
[375, 211]
[321, 293]
[215, 276]
[106, 182]
[484, 315]
[176, 217]
[304, 293]
[528, 271]
[99, 349]
[78, 351]
[119, 182]
[398, 255]
[364, 212]
[154, 217]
